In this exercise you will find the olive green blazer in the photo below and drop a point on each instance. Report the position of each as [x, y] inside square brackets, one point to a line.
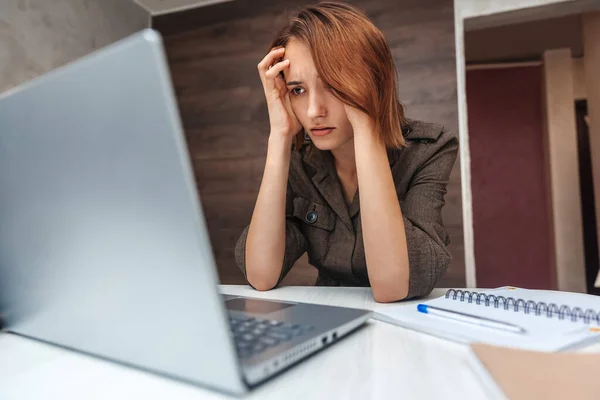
[319, 221]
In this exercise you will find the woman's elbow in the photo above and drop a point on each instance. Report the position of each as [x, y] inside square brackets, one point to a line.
[262, 285]
[253, 277]
[421, 286]
[422, 279]
[389, 292]
[387, 297]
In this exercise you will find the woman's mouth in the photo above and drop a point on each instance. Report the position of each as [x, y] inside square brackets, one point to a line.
[322, 131]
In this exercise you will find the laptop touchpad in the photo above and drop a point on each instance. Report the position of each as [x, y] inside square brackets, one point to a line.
[255, 306]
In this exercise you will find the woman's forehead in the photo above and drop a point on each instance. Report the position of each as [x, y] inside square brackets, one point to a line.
[301, 66]
[297, 48]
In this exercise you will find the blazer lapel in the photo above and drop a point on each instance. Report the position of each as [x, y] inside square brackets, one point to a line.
[327, 183]
[355, 205]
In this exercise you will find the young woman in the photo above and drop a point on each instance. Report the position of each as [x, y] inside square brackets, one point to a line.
[347, 178]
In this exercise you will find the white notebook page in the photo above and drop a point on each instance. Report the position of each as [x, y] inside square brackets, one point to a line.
[543, 333]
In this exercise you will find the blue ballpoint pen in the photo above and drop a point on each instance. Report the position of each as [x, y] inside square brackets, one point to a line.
[469, 318]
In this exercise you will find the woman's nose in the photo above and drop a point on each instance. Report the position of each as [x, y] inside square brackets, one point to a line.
[316, 106]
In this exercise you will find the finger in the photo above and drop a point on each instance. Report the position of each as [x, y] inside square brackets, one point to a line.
[270, 58]
[272, 81]
[273, 71]
[280, 85]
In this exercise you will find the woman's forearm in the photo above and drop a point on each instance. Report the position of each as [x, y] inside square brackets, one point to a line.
[265, 244]
[383, 228]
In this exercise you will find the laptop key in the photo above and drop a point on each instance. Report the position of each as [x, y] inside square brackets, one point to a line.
[258, 347]
[243, 345]
[297, 332]
[248, 337]
[253, 336]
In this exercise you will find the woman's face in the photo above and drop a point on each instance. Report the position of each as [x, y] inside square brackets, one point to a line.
[312, 101]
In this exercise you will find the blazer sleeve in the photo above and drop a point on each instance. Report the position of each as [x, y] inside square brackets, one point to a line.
[426, 238]
[295, 241]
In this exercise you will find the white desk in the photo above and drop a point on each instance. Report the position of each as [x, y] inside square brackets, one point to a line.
[380, 361]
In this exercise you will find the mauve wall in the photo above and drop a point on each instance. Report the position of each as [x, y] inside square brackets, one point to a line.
[511, 214]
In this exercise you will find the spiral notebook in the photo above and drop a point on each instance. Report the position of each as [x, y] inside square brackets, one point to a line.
[552, 320]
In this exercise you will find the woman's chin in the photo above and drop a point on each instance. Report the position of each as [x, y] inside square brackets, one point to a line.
[324, 143]
[320, 146]
[328, 142]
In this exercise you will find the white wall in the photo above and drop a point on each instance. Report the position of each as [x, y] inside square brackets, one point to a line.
[478, 8]
[156, 7]
[465, 154]
[37, 36]
[468, 8]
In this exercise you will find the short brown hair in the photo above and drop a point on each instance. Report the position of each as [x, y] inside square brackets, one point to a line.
[353, 58]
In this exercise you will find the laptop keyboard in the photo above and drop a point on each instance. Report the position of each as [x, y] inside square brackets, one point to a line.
[252, 335]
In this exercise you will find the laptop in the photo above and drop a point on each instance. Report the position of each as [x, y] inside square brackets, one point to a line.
[103, 243]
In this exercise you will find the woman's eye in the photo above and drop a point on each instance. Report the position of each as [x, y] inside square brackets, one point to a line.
[297, 90]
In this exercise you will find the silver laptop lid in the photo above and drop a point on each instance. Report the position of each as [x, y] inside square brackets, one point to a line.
[100, 220]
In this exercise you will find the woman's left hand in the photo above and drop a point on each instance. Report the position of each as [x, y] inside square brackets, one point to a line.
[359, 120]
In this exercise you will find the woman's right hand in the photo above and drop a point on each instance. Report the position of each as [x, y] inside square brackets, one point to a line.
[283, 121]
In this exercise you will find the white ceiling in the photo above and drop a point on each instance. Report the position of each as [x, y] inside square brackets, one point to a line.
[155, 7]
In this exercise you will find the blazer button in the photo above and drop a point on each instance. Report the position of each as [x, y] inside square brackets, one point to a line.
[311, 217]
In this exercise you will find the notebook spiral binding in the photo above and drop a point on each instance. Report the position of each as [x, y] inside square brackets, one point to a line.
[538, 308]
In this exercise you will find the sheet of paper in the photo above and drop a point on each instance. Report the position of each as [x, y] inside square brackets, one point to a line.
[533, 375]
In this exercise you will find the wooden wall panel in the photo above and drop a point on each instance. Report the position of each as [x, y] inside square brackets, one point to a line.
[213, 52]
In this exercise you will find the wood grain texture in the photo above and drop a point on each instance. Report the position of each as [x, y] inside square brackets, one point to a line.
[213, 52]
